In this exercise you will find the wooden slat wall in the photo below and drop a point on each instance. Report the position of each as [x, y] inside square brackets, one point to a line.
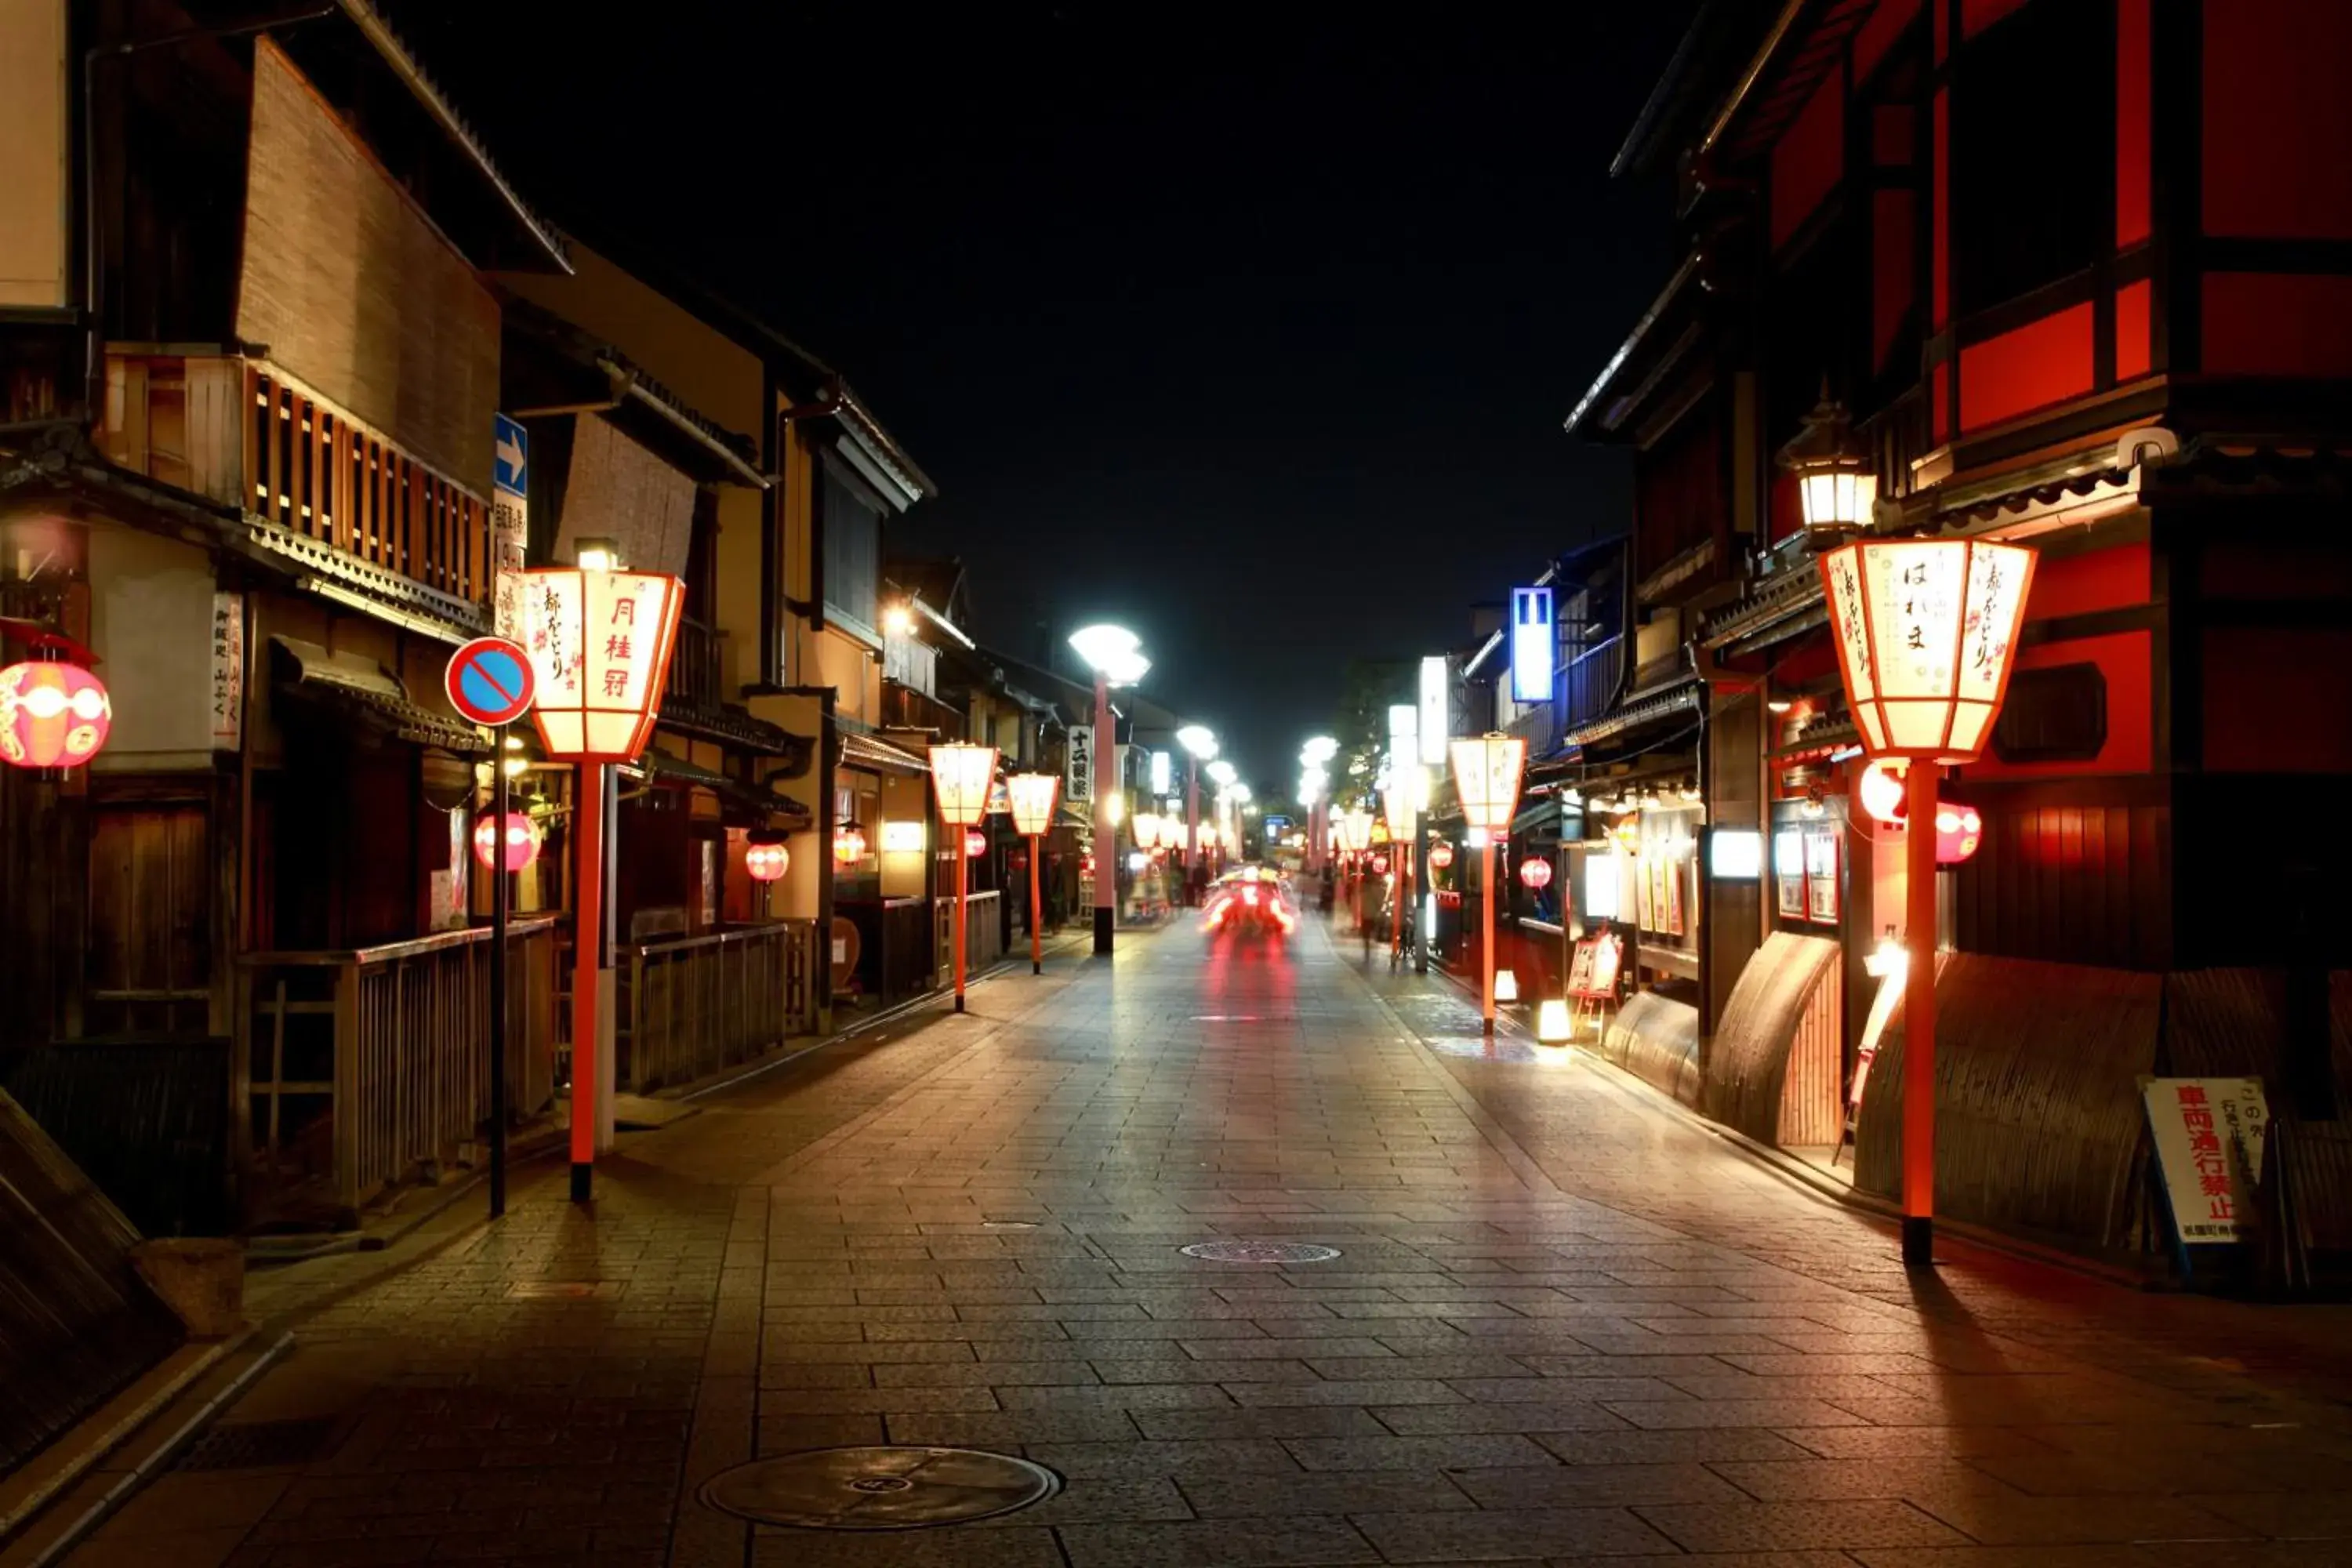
[1754, 1071]
[2037, 1098]
[2068, 883]
[150, 955]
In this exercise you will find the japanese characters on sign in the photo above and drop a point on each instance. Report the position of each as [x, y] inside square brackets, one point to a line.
[1081, 766]
[510, 524]
[600, 645]
[2209, 1145]
[228, 672]
[1841, 578]
[1821, 878]
[1925, 629]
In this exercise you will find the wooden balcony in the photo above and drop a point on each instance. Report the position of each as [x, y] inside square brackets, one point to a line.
[695, 685]
[240, 432]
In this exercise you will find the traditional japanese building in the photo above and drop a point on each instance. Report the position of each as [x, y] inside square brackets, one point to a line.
[2109, 328]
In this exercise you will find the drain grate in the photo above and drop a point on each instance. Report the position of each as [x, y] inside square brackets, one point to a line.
[259, 1445]
[879, 1487]
[1261, 1251]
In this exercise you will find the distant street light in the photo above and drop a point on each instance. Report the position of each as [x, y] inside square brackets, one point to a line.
[961, 776]
[1032, 795]
[1116, 656]
[1200, 743]
[1486, 774]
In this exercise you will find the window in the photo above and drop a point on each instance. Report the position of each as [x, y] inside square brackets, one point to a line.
[851, 520]
[2033, 151]
[2054, 715]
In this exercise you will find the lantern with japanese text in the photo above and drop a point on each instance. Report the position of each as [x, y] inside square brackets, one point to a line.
[848, 845]
[600, 644]
[52, 714]
[508, 844]
[765, 858]
[962, 774]
[1925, 630]
[1534, 874]
[1487, 772]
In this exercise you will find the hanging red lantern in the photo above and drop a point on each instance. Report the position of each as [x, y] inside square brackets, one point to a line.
[1881, 788]
[766, 859]
[52, 714]
[1380, 865]
[1441, 854]
[1959, 830]
[505, 844]
[848, 845]
[975, 844]
[1535, 874]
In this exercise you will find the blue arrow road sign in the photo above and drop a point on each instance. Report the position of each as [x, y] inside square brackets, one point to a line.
[513, 465]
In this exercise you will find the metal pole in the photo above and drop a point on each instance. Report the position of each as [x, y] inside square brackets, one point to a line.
[1106, 830]
[964, 882]
[498, 977]
[1919, 1020]
[1036, 942]
[588, 895]
[1487, 919]
[1423, 932]
[1192, 824]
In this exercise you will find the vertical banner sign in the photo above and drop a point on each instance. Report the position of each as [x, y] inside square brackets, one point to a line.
[228, 672]
[1081, 785]
[509, 521]
[1434, 679]
[2209, 1144]
[1161, 771]
[1535, 645]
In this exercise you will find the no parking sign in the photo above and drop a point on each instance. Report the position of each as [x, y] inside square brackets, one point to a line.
[490, 681]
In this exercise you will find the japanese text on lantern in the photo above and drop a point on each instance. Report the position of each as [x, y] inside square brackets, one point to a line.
[1853, 628]
[2209, 1136]
[1995, 580]
[1917, 615]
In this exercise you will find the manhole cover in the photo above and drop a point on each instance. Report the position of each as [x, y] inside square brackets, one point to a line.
[879, 1487]
[1261, 1252]
[257, 1445]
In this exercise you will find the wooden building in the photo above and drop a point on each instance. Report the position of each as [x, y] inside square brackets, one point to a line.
[2104, 321]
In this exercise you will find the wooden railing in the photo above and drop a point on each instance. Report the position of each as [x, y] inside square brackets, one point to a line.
[983, 930]
[238, 431]
[368, 1066]
[694, 1007]
[694, 682]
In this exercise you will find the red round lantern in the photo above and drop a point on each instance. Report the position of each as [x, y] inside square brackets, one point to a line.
[850, 846]
[1959, 830]
[52, 715]
[766, 861]
[1380, 865]
[1534, 874]
[505, 844]
[1884, 794]
[1441, 854]
[975, 844]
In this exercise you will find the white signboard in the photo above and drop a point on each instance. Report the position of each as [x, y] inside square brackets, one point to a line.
[1432, 722]
[509, 522]
[2209, 1145]
[228, 672]
[1080, 785]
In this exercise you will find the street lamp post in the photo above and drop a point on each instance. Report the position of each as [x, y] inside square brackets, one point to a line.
[1200, 746]
[960, 777]
[1315, 758]
[1925, 628]
[1116, 656]
[1033, 796]
[1486, 776]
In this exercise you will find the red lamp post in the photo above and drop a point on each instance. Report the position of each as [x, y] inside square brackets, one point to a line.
[1925, 629]
[1032, 796]
[960, 777]
[600, 641]
[1486, 772]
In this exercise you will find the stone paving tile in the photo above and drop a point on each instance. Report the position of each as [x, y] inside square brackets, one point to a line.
[1782, 1526]
[1565, 1327]
[1493, 1534]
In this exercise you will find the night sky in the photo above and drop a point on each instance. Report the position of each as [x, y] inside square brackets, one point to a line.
[1251, 330]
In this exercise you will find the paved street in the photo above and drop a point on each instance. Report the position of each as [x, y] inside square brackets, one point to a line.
[1566, 1325]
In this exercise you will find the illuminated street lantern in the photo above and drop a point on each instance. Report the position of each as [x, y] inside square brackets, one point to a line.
[1554, 1026]
[508, 844]
[1486, 772]
[1881, 790]
[1534, 874]
[1441, 854]
[766, 859]
[1355, 826]
[600, 638]
[1147, 829]
[1925, 630]
[1834, 483]
[53, 714]
[848, 845]
[1032, 797]
[960, 777]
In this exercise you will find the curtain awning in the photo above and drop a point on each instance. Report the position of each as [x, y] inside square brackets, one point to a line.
[362, 690]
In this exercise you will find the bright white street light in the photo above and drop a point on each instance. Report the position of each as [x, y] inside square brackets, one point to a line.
[1321, 748]
[1240, 791]
[1223, 773]
[1198, 739]
[1104, 645]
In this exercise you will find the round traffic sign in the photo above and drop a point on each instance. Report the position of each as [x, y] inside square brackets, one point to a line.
[490, 681]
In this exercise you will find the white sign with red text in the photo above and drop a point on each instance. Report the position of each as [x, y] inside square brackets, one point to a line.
[2209, 1145]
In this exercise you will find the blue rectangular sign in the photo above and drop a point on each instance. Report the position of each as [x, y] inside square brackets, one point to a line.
[1535, 645]
[510, 448]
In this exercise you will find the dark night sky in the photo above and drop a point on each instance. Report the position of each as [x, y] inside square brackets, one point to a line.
[1252, 329]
